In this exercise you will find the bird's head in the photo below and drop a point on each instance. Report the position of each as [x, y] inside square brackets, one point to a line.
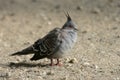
[69, 23]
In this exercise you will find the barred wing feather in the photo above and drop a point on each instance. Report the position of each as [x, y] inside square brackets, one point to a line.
[47, 45]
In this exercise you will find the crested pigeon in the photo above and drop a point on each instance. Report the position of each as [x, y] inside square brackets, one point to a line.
[53, 45]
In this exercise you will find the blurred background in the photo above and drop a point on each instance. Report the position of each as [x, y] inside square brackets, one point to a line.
[96, 53]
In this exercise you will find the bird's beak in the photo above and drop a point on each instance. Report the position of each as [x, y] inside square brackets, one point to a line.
[76, 29]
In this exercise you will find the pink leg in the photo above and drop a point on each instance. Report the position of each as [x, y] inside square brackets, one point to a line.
[51, 64]
[58, 63]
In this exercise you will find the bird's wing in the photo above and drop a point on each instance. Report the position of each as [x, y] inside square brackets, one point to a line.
[47, 45]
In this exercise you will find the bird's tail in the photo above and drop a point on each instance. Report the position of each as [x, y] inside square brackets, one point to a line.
[28, 50]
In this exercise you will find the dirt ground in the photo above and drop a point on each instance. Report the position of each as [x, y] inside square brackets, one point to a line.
[96, 55]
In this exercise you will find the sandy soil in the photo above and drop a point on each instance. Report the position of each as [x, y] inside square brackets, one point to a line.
[96, 55]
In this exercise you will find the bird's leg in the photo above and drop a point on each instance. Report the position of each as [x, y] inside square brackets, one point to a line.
[51, 64]
[58, 63]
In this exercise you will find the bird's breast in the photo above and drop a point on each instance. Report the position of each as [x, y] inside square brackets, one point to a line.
[68, 41]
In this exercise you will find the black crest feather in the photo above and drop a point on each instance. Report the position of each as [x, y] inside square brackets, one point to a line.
[68, 16]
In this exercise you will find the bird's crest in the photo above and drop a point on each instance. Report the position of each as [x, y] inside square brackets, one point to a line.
[68, 16]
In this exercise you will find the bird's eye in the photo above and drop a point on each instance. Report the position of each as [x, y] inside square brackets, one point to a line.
[70, 26]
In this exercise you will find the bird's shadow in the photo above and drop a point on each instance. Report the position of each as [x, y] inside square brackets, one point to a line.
[26, 64]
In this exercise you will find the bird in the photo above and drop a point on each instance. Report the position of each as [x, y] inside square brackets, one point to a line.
[54, 45]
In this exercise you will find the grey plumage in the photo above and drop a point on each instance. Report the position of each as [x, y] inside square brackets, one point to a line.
[55, 44]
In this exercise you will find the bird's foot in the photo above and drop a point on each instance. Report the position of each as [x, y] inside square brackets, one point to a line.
[59, 64]
[52, 64]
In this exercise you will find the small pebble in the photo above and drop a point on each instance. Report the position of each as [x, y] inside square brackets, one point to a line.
[101, 71]
[111, 72]
[50, 73]
[39, 26]
[114, 28]
[12, 14]
[4, 74]
[86, 64]
[68, 65]
[26, 43]
[89, 38]
[57, 6]
[96, 67]
[79, 8]
[84, 32]
[11, 64]
[65, 78]
[74, 60]
[118, 36]
[49, 22]
[96, 11]
[67, 59]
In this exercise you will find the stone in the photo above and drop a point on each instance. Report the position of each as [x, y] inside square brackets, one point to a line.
[74, 60]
